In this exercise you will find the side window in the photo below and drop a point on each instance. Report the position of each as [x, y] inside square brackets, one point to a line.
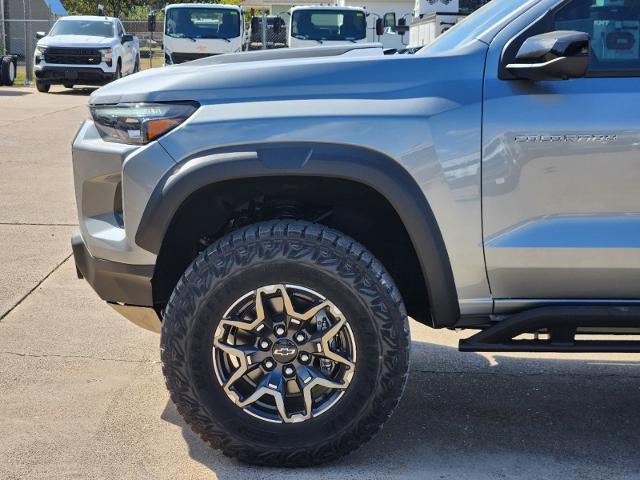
[120, 29]
[614, 26]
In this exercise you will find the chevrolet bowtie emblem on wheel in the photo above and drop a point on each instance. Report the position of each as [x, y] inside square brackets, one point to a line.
[284, 351]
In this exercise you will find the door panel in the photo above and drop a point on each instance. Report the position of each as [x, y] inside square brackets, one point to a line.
[561, 172]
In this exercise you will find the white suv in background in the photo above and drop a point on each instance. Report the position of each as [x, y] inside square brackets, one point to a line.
[84, 50]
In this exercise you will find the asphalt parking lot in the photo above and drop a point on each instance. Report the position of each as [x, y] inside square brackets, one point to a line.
[82, 394]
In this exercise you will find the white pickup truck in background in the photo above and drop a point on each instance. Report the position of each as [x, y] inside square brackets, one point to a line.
[84, 50]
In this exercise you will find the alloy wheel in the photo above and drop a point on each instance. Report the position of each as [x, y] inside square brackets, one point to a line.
[284, 353]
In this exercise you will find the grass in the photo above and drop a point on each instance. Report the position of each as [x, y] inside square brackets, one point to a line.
[156, 61]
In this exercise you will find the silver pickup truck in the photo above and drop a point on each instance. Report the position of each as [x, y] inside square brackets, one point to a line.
[280, 215]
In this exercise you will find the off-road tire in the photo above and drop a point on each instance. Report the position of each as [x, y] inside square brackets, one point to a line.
[7, 71]
[318, 258]
[42, 86]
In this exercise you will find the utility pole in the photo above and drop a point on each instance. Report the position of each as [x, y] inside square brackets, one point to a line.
[3, 38]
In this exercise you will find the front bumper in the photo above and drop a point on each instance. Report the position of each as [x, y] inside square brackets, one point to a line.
[76, 75]
[127, 288]
[113, 183]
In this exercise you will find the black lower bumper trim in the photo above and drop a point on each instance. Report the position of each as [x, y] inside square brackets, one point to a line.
[83, 76]
[113, 281]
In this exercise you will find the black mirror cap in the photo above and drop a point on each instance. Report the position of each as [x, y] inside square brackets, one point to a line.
[277, 26]
[151, 22]
[555, 44]
[40, 35]
[127, 38]
[379, 27]
[559, 55]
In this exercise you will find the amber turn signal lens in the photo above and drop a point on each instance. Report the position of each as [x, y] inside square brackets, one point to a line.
[157, 128]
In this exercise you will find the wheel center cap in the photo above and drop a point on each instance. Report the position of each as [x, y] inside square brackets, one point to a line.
[284, 350]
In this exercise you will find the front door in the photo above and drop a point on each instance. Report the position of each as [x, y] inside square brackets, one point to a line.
[561, 163]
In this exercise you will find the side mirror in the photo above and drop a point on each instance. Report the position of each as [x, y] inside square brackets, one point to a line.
[277, 26]
[127, 38]
[40, 35]
[379, 27]
[402, 26]
[557, 55]
[390, 20]
[151, 22]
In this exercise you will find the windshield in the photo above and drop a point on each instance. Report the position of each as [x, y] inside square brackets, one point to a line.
[474, 25]
[92, 28]
[202, 23]
[329, 25]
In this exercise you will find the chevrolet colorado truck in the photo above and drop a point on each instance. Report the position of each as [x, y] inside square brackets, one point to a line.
[278, 216]
[84, 50]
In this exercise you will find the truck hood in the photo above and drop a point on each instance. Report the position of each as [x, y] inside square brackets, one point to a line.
[231, 76]
[76, 41]
[357, 71]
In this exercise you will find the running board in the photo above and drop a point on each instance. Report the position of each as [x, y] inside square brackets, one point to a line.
[560, 324]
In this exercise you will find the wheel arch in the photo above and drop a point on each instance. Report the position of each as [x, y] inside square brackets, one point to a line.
[348, 163]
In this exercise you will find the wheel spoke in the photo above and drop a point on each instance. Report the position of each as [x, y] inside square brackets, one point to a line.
[291, 312]
[272, 384]
[326, 337]
[260, 312]
[243, 354]
[308, 378]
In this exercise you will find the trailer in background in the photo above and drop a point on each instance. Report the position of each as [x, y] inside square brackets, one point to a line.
[425, 30]
[431, 18]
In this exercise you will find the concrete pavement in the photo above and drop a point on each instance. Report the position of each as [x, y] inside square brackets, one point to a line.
[82, 394]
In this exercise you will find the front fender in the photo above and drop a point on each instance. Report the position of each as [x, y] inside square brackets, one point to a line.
[369, 167]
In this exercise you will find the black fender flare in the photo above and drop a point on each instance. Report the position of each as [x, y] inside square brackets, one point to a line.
[347, 162]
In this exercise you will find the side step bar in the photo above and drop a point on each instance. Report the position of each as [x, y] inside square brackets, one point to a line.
[561, 324]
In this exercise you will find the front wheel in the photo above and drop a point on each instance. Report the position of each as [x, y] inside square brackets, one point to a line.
[42, 86]
[118, 74]
[285, 343]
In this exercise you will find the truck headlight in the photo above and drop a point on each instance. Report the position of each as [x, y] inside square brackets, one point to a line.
[105, 55]
[139, 123]
[40, 51]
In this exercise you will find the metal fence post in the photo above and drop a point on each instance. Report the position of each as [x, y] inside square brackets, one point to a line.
[3, 37]
[27, 41]
[264, 30]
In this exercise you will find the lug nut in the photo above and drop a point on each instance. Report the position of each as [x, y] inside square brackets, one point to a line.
[280, 330]
[289, 371]
[269, 364]
[305, 357]
[301, 337]
[265, 344]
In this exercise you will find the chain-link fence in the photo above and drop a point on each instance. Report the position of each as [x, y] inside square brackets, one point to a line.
[266, 31]
[19, 35]
[150, 42]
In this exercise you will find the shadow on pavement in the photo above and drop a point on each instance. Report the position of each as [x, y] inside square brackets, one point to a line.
[14, 93]
[462, 416]
[75, 91]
